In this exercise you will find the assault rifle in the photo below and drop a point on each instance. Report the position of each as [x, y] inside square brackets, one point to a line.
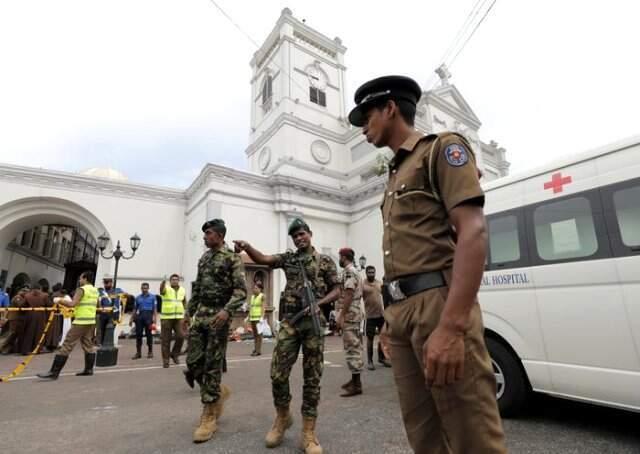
[309, 304]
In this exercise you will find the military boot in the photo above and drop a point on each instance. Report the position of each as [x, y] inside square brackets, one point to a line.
[280, 425]
[225, 392]
[208, 424]
[354, 388]
[89, 361]
[58, 363]
[189, 378]
[347, 384]
[310, 442]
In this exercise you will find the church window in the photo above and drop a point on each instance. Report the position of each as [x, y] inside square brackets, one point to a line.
[317, 96]
[267, 93]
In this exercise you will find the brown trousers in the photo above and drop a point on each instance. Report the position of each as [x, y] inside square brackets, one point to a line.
[83, 333]
[459, 418]
[170, 327]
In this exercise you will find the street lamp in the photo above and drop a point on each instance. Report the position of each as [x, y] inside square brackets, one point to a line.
[362, 261]
[108, 353]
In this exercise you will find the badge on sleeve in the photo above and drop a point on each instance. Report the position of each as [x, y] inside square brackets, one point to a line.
[456, 155]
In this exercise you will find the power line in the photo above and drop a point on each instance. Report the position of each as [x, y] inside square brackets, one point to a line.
[246, 35]
[473, 32]
[463, 29]
[478, 6]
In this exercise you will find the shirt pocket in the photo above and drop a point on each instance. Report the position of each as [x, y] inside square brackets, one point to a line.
[411, 191]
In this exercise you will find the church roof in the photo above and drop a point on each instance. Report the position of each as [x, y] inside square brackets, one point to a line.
[105, 172]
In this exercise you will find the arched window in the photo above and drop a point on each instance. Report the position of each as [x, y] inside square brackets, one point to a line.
[267, 93]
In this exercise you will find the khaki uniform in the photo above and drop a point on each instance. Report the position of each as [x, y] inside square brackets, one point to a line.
[428, 177]
[351, 340]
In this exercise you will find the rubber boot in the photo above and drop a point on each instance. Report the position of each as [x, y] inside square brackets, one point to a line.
[282, 422]
[208, 424]
[89, 361]
[310, 442]
[58, 363]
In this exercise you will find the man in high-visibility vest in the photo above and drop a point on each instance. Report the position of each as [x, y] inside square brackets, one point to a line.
[172, 318]
[85, 302]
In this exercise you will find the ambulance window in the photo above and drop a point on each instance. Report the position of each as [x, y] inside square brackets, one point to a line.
[627, 205]
[565, 230]
[504, 245]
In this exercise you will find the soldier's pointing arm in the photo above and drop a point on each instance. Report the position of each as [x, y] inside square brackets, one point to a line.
[239, 294]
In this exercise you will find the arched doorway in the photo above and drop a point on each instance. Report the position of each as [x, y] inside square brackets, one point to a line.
[29, 214]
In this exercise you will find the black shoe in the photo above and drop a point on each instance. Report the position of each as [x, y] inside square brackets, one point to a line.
[175, 359]
[188, 376]
[58, 363]
[253, 353]
[384, 362]
[89, 361]
[370, 366]
[150, 355]
[136, 356]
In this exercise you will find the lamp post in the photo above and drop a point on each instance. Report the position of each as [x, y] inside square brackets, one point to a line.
[108, 352]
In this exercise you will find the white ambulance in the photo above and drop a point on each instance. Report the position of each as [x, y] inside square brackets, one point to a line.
[561, 290]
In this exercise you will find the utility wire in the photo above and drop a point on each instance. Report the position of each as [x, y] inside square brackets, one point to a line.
[473, 32]
[246, 35]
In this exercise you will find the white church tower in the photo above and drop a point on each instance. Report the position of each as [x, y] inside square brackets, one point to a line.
[298, 102]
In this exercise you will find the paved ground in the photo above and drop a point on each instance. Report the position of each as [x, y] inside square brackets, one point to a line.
[138, 407]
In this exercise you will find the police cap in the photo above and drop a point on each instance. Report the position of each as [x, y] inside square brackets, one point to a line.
[383, 88]
[297, 224]
[217, 225]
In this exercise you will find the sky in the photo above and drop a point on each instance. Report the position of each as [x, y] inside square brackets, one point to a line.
[158, 88]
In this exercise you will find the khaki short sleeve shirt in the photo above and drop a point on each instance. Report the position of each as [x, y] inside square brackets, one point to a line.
[428, 177]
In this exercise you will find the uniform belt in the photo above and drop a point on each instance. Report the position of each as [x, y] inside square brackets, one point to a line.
[400, 289]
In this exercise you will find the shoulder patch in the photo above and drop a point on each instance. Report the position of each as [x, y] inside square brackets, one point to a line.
[456, 155]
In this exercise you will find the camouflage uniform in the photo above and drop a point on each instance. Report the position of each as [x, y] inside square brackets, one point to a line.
[322, 273]
[220, 284]
[351, 339]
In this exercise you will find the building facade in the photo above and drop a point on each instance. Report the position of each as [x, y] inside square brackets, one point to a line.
[304, 159]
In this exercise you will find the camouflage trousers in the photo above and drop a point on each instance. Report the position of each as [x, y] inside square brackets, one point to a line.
[352, 343]
[205, 355]
[285, 354]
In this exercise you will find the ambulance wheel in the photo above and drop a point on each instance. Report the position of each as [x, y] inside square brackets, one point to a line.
[512, 386]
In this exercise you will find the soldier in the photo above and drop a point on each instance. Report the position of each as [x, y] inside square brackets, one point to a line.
[434, 330]
[219, 290]
[349, 321]
[322, 273]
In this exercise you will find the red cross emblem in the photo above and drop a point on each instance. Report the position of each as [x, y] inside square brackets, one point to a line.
[557, 182]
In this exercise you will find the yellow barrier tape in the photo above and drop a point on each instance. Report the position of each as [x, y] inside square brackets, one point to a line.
[23, 365]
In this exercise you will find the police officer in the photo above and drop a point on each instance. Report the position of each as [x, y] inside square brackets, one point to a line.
[219, 290]
[323, 276]
[85, 302]
[144, 316]
[434, 330]
[109, 299]
[349, 321]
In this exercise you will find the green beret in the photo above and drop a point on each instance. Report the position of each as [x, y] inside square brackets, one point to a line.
[217, 225]
[298, 224]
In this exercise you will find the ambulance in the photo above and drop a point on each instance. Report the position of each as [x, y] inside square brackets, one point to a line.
[561, 290]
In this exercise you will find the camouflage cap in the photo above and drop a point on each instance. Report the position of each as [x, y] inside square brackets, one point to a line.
[297, 224]
[217, 225]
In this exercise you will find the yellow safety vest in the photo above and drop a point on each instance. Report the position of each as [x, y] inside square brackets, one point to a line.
[172, 307]
[85, 311]
[255, 307]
